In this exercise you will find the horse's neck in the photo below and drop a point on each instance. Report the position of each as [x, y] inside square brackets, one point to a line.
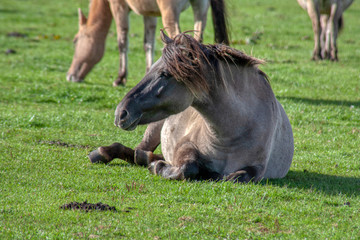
[228, 110]
[100, 17]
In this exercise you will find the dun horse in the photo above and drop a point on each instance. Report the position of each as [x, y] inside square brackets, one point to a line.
[213, 111]
[327, 21]
[90, 39]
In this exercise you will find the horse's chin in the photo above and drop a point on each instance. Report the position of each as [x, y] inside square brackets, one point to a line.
[131, 126]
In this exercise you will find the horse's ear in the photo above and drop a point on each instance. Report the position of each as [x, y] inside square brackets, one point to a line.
[82, 18]
[165, 37]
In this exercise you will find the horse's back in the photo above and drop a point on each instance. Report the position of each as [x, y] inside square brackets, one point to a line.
[325, 6]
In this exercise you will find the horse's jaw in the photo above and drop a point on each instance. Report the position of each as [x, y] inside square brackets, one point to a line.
[126, 121]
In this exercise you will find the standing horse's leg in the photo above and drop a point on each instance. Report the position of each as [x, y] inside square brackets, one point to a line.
[324, 37]
[149, 40]
[170, 14]
[200, 9]
[120, 11]
[185, 164]
[142, 155]
[334, 17]
[314, 14]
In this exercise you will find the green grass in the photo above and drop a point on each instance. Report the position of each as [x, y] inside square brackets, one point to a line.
[318, 199]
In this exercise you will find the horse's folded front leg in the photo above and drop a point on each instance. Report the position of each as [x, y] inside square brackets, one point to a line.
[185, 164]
[189, 170]
[144, 158]
[107, 153]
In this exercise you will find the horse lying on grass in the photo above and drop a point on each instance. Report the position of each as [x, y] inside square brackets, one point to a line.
[327, 21]
[214, 112]
[90, 39]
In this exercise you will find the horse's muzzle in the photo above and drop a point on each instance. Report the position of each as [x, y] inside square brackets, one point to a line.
[125, 121]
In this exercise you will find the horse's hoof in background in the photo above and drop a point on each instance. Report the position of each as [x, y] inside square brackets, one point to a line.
[73, 78]
[316, 57]
[119, 82]
[96, 157]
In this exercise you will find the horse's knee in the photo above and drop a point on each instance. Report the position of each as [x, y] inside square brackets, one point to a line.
[187, 152]
[144, 158]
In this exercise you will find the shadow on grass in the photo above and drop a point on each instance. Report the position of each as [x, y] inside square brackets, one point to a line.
[4, 10]
[328, 184]
[321, 101]
[119, 163]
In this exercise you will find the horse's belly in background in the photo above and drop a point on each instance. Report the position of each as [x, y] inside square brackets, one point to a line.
[144, 7]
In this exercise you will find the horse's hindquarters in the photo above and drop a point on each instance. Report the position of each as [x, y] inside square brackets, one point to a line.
[282, 148]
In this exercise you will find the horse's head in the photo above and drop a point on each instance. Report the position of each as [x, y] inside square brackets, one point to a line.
[157, 96]
[172, 84]
[89, 50]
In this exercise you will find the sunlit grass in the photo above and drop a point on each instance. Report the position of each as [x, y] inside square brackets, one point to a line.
[48, 126]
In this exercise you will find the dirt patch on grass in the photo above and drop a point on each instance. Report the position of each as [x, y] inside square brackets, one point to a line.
[85, 206]
[63, 144]
[17, 35]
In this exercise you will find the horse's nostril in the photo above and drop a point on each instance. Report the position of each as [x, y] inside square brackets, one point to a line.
[123, 114]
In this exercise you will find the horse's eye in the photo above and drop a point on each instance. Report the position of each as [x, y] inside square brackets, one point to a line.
[165, 75]
[160, 91]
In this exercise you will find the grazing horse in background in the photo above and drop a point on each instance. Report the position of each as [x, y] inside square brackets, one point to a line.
[214, 112]
[90, 39]
[327, 21]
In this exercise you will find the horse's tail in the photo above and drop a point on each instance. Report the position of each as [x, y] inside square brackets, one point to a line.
[345, 5]
[219, 18]
[340, 23]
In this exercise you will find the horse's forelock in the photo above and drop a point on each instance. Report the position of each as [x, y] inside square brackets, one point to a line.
[184, 58]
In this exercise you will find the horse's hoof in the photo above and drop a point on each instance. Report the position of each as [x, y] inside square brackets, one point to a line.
[96, 157]
[73, 78]
[119, 82]
[156, 166]
[316, 58]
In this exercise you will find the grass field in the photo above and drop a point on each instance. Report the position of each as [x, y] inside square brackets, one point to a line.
[48, 126]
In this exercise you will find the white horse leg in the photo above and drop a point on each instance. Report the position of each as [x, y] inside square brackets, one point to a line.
[334, 17]
[149, 40]
[120, 11]
[314, 14]
[170, 16]
[200, 9]
[324, 36]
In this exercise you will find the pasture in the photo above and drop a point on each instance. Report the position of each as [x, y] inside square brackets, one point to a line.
[48, 126]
